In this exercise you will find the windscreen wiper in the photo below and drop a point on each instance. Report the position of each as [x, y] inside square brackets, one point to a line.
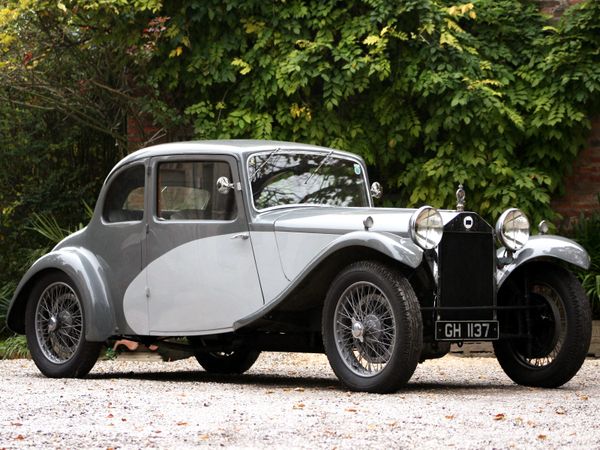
[257, 171]
[319, 166]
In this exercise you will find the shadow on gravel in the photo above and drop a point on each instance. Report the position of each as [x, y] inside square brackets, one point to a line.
[204, 377]
[290, 381]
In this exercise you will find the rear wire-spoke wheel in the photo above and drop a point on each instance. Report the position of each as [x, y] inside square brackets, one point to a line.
[55, 329]
[558, 328]
[372, 330]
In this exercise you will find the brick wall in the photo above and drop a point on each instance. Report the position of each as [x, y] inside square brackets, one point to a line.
[582, 186]
[556, 7]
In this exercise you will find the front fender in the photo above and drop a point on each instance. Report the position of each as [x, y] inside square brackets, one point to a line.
[398, 248]
[544, 248]
[84, 269]
[401, 249]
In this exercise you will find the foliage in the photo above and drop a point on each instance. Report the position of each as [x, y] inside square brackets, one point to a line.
[70, 57]
[5, 296]
[14, 347]
[586, 231]
[431, 93]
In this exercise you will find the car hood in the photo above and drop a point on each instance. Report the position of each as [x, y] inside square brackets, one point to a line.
[342, 220]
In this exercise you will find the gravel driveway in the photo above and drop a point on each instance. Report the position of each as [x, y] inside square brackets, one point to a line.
[291, 400]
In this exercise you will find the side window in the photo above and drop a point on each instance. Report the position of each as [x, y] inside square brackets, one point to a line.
[188, 191]
[124, 201]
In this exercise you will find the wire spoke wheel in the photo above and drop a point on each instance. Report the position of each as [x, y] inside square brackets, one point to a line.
[365, 329]
[371, 327]
[59, 322]
[549, 329]
[55, 327]
[551, 336]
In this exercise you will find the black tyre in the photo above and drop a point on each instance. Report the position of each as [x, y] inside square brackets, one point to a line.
[556, 332]
[235, 361]
[372, 328]
[55, 329]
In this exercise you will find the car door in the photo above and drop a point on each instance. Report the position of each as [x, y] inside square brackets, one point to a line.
[200, 270]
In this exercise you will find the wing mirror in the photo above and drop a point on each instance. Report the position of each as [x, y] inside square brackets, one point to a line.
[376, 190]
[224, 185]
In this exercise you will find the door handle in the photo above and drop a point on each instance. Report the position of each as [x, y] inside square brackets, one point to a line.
[242, 236]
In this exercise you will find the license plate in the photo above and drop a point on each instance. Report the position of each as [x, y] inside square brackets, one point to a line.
[466, 330]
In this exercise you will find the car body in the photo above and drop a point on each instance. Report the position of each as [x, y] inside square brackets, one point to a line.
[245, 246]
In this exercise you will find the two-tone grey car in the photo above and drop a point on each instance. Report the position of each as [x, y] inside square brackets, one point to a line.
[238, 247]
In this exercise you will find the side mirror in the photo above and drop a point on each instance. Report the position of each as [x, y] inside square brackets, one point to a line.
[376, 190]
[224, 185]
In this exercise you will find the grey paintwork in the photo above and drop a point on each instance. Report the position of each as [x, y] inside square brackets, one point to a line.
[283, 244]
[544, 247]
[83, 268]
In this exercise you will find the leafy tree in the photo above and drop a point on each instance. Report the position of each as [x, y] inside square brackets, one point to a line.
[431, 93]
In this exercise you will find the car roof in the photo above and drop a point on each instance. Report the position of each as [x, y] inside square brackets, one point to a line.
[238, 147]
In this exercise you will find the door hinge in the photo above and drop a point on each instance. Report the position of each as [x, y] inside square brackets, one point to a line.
[147, 292]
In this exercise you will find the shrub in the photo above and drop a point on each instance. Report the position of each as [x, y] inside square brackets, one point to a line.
[586, 231]
[14, 347]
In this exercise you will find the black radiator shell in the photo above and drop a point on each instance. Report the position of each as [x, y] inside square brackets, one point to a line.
[466, 270]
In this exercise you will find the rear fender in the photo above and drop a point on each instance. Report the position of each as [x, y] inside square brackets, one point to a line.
[544, 248]
[86, 272]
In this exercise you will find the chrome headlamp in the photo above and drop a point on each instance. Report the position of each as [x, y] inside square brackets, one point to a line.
[426, 227]
[512, 229]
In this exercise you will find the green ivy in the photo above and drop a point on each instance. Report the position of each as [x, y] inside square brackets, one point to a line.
[430, 93]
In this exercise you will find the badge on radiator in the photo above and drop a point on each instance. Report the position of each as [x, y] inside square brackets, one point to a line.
[468, 222]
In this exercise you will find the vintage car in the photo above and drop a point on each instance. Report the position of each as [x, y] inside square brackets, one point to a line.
[236, 247]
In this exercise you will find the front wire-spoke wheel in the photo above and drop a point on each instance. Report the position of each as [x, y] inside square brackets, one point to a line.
[372, 328]
[365, 329]
[55, 329]
[555, 329]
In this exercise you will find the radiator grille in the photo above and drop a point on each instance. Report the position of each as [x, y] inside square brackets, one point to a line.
[466, 269]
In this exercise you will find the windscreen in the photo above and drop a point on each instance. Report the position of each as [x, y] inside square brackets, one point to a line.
[280, 179]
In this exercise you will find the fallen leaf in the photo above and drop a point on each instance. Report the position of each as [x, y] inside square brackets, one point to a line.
[542, 437]
[299, 406]
[352, 410]
[518, 421]
[371, 426]
[299, 389]
[584, 397]
[182, 424]
[16, 424]
[499, 416]
[270, 391]
[123, 419]
[449, 417]
[110, 416]
[19, 437]
[561, 411]
[204, 437]
[392, 423]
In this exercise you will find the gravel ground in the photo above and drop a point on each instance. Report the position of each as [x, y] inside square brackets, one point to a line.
[291, 400]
